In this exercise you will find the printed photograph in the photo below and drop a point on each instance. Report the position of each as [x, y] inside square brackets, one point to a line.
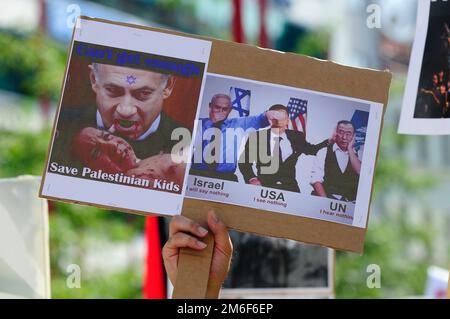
[273, 147]
[120, 119]
[425, 109]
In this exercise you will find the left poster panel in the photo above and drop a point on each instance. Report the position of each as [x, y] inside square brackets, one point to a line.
[129, 97]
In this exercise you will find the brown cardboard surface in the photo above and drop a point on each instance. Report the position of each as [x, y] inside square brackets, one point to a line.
[255, 63]
[307, 230]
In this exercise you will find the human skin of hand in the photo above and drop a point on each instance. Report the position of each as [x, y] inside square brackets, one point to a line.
[185, 233]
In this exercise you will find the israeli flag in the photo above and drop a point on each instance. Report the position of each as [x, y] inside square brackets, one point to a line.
[240, 102]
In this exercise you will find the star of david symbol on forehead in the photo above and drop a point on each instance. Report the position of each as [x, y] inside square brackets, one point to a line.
[131, 79]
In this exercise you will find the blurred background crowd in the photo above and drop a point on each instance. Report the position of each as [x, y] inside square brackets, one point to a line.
[410, 214]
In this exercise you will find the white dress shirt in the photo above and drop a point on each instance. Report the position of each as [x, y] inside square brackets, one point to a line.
[285, 145]
[318, 170]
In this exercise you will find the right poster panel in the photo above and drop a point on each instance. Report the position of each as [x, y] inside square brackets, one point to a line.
[426, 101]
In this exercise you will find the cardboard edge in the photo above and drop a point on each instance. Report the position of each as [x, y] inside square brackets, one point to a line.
[58, 110]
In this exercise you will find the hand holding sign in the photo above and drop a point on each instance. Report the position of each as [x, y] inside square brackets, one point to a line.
[184, 232]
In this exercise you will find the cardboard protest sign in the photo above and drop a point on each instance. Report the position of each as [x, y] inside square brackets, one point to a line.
[319, 94]
[123, 98]
[426, 101]
[328, 109]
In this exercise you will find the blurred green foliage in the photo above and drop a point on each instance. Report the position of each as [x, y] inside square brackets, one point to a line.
[314, 44]
[32, 65]
[124, 284]
[78, 233]
[23, 153]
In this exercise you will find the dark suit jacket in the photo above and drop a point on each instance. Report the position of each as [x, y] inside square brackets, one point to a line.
[285, 177]
[72, 120]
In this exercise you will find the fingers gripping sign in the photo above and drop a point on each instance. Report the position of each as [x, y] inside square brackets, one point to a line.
[186, 233]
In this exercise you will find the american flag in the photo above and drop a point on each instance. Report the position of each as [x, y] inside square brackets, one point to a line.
[297, 114]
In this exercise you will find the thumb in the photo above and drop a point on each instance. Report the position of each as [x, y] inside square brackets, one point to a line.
[220, 232]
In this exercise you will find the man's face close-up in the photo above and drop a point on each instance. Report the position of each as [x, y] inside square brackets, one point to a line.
[344, 135]
[219, 109]
[99, 149]
[129, 99]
